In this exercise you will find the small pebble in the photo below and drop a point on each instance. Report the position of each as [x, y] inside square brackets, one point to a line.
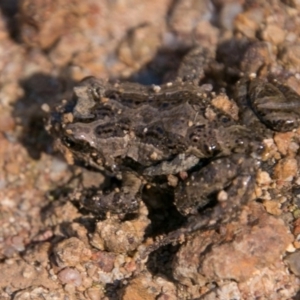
[70, 276]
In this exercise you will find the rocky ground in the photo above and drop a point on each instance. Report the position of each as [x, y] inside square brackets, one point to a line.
[52, 249]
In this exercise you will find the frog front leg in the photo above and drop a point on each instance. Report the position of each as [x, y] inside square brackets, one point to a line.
[119, 200]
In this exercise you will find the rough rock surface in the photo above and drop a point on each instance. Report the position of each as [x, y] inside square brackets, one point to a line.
[50, 247]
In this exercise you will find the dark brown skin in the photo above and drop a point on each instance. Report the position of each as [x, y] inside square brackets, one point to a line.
[139, 133]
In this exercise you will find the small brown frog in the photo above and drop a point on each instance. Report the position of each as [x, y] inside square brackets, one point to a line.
[212, 145]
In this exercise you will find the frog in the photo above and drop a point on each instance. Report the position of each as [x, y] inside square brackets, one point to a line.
[181, 135]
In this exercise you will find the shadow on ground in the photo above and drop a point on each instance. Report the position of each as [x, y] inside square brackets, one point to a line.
[41, 90]
[9, 9]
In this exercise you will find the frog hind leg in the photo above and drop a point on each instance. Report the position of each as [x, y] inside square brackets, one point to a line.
[232, 192]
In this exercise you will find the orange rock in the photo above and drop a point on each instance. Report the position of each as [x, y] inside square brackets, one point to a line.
[137, 290]
[286, 169]
[283, 142]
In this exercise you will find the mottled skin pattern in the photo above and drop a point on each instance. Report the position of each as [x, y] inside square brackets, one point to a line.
[141, 133]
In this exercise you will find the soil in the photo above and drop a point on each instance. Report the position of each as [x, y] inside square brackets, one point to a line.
[50, 248]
